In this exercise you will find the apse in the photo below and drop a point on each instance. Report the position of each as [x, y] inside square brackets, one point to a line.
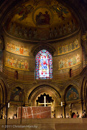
[49, 25]
[41, 55]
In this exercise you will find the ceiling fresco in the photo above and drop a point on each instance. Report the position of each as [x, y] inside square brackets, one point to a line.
[41, 16]
[29, 13]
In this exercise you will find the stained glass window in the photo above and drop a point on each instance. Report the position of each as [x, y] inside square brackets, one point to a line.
[43, 65]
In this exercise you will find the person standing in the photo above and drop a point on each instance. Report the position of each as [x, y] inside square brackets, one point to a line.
[77, 115]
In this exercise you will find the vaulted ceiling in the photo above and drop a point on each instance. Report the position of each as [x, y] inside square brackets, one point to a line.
[79, 7]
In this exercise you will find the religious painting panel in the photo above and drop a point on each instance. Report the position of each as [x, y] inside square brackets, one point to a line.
[34, 112]
[43, 65]
[24, 10]
[69, 47]
[69, 61]
[72, 94]
[41, 12]
[16, 62]
[17, 95]
[42, 16]
[17, 48]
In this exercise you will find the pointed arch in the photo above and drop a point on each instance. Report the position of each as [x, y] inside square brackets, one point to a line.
[3, 92]
[83, 87]
[84, 93]
[41, 46]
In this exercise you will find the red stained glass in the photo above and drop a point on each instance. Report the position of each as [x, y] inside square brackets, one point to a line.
[43, 65]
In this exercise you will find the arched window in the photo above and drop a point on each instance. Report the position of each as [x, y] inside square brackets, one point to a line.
[43, 65]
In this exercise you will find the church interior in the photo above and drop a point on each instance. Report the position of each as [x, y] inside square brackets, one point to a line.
[43, 46]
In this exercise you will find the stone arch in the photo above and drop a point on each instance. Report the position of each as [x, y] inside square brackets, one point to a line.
[44, 88]
[71, 101]
[4, 91]
[66, 90]
[14, 104]
[83, 87]
[41, 46]
[20, 88]
[84, 93]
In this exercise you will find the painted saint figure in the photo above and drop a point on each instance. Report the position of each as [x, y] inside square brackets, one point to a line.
[43, 66]
[43, 19]
[21, 50]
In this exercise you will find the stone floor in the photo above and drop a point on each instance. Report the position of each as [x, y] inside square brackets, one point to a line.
[44, 124]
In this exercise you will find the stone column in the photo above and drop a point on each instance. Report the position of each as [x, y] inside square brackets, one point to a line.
[63, 109]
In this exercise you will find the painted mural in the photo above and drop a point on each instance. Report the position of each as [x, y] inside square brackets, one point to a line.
[17, 63]
[68, 48]
[72, 94]
[60, 10]
[16, 95]
[41, 12]
[32, 18]
[43, 18]
[42, 34]
[69, 62]
[23, 11]
[17, 49]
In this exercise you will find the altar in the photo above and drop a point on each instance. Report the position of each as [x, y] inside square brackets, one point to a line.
[34, 112]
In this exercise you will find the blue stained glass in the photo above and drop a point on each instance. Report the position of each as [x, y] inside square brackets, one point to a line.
[43, 65]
